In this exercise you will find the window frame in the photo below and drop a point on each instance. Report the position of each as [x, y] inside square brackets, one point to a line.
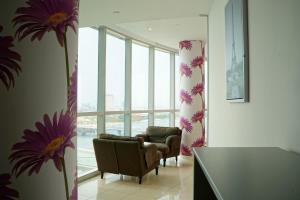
[101, 104]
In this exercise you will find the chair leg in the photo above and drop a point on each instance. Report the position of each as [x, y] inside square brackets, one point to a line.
[102, 173]
[176, 158]
[156, 171]
[140, 180]
[165, 162]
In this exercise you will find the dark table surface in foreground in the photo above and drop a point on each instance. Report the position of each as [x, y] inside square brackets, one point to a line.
[248, 173]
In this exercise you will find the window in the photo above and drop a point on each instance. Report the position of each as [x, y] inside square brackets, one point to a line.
[87, 98]
[139, 123]
[140, 65]
[87, 70]
[177, 82]
[177, 119]
[162, 80]
[114, 118]
[162, 119]
[114, 124]
[86, 131]
[115, 73]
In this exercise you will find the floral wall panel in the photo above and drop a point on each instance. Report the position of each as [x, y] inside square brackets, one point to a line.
[192, 109]
[38, 90]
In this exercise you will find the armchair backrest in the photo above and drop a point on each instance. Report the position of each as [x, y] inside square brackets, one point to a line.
[106, 156]
[130, 158]
[159, 134]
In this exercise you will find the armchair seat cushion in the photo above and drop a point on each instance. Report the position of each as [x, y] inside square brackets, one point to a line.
[162, 147]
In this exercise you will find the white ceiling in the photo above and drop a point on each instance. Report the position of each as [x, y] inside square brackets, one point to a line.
[169, 32]
[170, 20]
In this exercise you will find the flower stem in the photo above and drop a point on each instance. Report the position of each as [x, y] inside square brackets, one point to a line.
[65, 177]
[67, 60]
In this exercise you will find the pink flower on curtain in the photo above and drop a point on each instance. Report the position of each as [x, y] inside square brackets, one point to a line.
[185, 97]
[187, 44]
[72, 96]
[9, 59]
[186, 125]
[198, 89]
[198, 142]
[198, 116]
[48, 142]
[185, 70]
[185, 150]
[44, 16]
[197, 62]
[7, 193]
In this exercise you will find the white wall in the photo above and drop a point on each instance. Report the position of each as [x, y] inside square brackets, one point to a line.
[272, 116]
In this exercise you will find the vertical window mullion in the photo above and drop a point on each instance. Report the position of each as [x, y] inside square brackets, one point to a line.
[101, 80]
[172, 89]
[151, 86]
[128, 81]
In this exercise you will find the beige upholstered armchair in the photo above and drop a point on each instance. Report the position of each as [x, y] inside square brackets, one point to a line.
[125, 155]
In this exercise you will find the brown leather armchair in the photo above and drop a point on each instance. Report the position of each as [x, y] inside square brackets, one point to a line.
[167, 140]
[125, 155]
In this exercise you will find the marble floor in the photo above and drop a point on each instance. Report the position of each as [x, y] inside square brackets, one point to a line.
[172, 183]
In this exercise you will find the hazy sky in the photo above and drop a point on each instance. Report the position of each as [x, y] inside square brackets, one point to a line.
[115, 74]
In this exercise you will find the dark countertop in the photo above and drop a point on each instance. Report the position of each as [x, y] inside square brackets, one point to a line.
[251, 173]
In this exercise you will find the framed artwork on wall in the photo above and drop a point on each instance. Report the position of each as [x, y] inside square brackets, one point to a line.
[237, 56]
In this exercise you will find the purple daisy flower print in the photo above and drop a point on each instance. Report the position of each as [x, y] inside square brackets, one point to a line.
[187, 44]
[197, 62]
[72, 96]
[9, 59]
[48, 142]
[198, 89]
[185, 97]
[185, 70]
[198, 117]
[5, 191]
[198, 142]
[43, 16]
[185, 150]
[186, 125]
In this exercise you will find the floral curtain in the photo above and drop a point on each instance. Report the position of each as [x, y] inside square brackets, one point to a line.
[38, 89]
[192, 109]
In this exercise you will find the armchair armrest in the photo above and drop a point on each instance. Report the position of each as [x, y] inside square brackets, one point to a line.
[144, 136]
[173, 141]
[150, 154]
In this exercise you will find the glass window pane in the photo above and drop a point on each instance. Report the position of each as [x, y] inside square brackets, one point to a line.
[140, 65]
[162, 119]
[177, 119]
[86, 131]
[115, 73]
[114, 124]
[162, 80]
[177, 82]
[87, 70]
[205, 84]
[139, 123]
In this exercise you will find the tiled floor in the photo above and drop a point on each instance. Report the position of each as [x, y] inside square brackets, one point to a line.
[172, 183]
